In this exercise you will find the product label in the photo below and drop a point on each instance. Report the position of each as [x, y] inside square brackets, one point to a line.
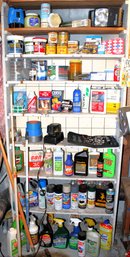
[33, 22]
[58, 201]
[19, 161]
[46, 239]
[58, 164]
[60, 242]
[74, 200]
[48, 164]
[80, 168]
[68, 170]
[91, 199]
[82, 200]
[50, 199]
[29, 47]
[32, 104]
[81, 248]
[73, 243]
[14, 247]
[66, 201]
[91, 247]
[34, 238]
[42, 193]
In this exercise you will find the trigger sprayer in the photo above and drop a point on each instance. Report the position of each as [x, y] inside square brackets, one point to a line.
[73, 241]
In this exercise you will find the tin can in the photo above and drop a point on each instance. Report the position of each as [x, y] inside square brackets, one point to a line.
[52, 37]
[63, 38]
[62, 49]
[50, 48]
[39, 44]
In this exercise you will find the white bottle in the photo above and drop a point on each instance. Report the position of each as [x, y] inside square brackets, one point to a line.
[93, 242]
[58, 162]
[33, 229]
[12, 244]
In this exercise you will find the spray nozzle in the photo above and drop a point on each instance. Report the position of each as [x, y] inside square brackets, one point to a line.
[90, 222]
[59, 222]
[32, 219]
[75, 221]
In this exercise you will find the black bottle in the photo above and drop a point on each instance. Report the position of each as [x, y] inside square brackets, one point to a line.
[46, 234]
[100, 166]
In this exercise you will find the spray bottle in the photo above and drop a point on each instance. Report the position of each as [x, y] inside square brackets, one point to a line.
[73, 241]
[93, 238]
[61, 236]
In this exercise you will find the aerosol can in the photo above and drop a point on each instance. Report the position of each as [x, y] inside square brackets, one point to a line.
[73, 241]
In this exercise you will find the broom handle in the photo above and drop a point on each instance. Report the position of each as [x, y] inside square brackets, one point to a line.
[19, 203]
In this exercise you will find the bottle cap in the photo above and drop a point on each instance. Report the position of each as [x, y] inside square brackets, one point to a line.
[42, 183]
[82, 235]
[58, 189]
[74, 188]
[51, 188]
[67, 188]
[83, 188]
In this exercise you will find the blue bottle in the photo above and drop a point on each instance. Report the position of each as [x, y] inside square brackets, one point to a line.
[73, 241]
[69, 168]
[77, 100]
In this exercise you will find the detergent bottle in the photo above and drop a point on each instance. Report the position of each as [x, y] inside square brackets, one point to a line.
[105, 230]
[93, 238]
[46, 234]
[61, 236]
[73, 241]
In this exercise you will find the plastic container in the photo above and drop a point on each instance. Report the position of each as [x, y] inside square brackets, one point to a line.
[33, 229]
[12, 245]
[69, 165]
[61, 236]
[31, 20]
[109, 164]
[58, 197]
[46, 235]
[93, 242]
[75, 68]
[39, 45]
[15, 44]
[82, 197]
[42, 193]
[48, 161]
[50, 196]
[77, 100]
[28, 45]
[66, 196]
[58, 162]
[74, 196]
[73, 241]
[81, 163]
[105, 230]
[81, 243]
[19, 158]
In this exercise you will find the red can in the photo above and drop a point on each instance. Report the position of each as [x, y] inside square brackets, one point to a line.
[39, 45]
[117, 72]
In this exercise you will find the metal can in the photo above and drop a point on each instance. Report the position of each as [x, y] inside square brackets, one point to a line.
[50, 48]
[63, 38]
[62, 48]
[52, 37]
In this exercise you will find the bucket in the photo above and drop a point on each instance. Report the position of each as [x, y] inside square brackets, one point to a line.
[33, 131]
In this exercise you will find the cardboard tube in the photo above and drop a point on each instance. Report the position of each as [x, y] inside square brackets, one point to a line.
[19, 203]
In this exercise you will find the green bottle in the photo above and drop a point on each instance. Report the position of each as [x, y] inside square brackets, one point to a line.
[61, 236]
[109, 164]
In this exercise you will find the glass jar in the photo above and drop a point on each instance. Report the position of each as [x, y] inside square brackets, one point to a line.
[75, 68]
[31, 20]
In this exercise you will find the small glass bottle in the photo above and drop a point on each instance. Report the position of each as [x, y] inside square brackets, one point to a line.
[100, 166]
[75, 68]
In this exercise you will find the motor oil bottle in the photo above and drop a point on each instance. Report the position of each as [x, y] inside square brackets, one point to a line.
[73, 240]
[81, 163]
[93, 238]
[46, 235]
[109, 164]
[61, 236]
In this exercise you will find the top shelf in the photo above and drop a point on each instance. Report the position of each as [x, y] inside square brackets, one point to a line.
[66, 3]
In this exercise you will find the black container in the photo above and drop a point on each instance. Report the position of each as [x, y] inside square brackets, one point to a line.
[81, 163]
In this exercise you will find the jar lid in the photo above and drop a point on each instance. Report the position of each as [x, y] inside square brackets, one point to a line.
[31, 14]
[15, 37]
[76, 60]
[67, 188]
[54, 20]
[39, 39]
[27, 39]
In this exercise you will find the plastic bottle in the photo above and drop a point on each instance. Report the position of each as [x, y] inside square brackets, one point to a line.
[42, 193]
[48, 162]
[74, 196]
[109, 163]
[82, 198]
[22, 231]
[58, 197]
[100, 166]
[69, 168]
[110, 192]
[33, 229]
[61, 236]
[81, 163]
[32, 102]
[66, 196]
[58, 162]
[91, 196]
[19, 158]
[93, 239]
[105, 230]
[50, 196]
[73, 241]
[81, 243]
[117, 71]
[77, 100]
[46, 235]
[12, 245]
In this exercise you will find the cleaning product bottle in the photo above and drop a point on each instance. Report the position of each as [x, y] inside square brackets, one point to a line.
[22, 231]
[73, 241]
[61, 236]
[46, 235]
[109, 164]
[12, 244]
[77, 100]
[33, 229]
[105, 230]
[93, 238]
[19, 158]
[58, 161]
